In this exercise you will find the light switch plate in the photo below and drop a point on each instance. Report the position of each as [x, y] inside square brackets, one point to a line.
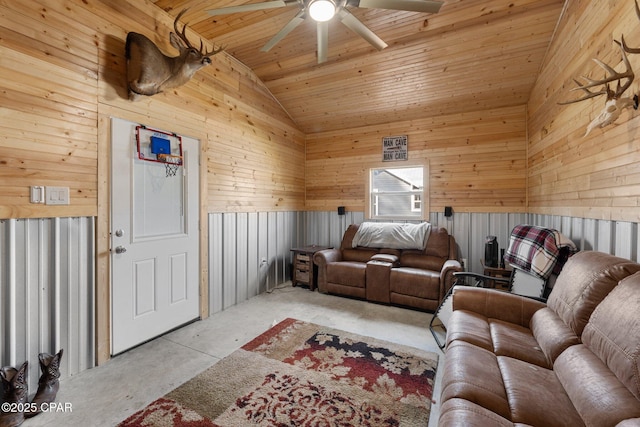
[37, 194]
[57, 195]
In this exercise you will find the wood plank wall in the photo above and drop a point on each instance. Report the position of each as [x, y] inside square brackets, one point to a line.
[63, 71]
[597, 176]
[477, 161]
[48, 109]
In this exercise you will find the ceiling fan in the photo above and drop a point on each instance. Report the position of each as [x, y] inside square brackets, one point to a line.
[322, 11]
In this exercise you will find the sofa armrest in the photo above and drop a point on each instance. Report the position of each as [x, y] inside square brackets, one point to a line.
[321, 259]
[497, 304]
[447, 278]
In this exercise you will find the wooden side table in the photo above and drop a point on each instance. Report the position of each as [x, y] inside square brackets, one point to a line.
[305, 271]
[495, 272]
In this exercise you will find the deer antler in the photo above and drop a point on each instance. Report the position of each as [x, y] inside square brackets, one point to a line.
[624, 45]
[614, 75]
[615, 103]
[182, 34]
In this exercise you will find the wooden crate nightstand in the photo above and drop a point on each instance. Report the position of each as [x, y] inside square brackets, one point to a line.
[304, 271]
[502, 272]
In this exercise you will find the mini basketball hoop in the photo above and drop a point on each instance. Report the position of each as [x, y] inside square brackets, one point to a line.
[171, 163]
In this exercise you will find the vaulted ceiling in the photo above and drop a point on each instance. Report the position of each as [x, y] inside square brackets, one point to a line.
[472, 55]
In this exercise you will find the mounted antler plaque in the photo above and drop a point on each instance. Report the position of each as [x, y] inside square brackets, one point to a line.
[615, 103]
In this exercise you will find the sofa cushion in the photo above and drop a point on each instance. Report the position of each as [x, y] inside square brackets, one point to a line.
[414, 302]
[516, 341]
[438, 243]
[473, 374]
[551, 333]
[461, 412]
[347, 273]
[348, 236]
[586, 279]
[418, 260]
[358, 255]
[536, 396]
[613, 333]
[598, 395]
[415, 282]
[388, 251]
[470, 327]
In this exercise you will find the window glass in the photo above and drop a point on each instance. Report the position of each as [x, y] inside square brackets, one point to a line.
[396, 192]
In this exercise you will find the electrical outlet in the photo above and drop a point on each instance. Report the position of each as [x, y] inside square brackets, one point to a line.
[464, 264]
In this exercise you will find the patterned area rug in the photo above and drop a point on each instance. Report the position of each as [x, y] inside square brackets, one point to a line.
[301, 374]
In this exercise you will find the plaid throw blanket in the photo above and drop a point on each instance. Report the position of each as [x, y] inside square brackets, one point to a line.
[539, 251]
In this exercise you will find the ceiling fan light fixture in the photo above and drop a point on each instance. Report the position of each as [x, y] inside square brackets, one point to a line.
[322, 10]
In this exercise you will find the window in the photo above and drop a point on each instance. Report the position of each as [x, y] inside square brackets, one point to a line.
[416, 203]
[397, 192]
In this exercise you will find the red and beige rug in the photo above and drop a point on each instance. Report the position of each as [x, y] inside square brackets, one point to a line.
[301, 374]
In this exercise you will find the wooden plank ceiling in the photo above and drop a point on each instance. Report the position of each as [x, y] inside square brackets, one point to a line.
[472, 55]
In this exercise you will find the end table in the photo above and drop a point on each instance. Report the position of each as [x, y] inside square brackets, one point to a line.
[305, 271]
[495, 272]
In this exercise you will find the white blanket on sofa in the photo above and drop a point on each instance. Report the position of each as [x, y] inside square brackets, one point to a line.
[392, 235]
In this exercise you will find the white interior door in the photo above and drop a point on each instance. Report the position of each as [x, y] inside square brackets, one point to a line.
[154, 241]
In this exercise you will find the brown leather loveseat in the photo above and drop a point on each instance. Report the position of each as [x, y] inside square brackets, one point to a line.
[574, 361]
[408, 277]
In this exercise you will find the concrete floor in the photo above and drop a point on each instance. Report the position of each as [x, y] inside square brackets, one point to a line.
[108, 394]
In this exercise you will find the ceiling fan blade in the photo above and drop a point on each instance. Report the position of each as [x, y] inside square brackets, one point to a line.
[291, 25]
[250, 7]
[426, 6]
[355, 25]
[323, 41]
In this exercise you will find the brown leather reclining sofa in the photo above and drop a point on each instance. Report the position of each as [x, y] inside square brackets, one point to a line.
[410, 277]
[574, 361]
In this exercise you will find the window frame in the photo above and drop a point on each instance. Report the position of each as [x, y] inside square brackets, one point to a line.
[417, 198]
[424, 163]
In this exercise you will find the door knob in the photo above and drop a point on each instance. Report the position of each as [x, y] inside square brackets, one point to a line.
[120, 249]
[119, 233]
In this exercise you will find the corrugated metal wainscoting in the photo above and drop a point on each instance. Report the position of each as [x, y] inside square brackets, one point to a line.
[470, 229]
[250, 253]
[47, 282]
[47, 267]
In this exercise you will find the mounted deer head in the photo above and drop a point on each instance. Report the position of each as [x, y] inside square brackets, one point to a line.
[149, 71]
[615, 104]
